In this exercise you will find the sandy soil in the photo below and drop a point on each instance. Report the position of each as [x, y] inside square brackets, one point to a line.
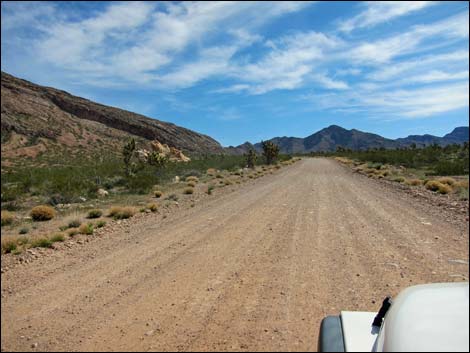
[255, 269]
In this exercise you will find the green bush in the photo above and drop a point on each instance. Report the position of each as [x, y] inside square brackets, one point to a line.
[100, 224]
[86, 229]
[41, 243]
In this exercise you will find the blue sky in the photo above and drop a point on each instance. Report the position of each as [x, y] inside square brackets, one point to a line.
[248, 71]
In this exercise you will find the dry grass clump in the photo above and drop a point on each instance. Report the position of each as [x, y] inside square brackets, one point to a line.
[42, 213]
[75, 223]
[7, 218]
[192, 178]
[210, 187]
[152, 207]
[95, 213]
[414, 182]
[158, 194]
[100, 224]
[211, 171]
[122, 212]
[9, 245]
[344, 160]
[228, 182]
[41, 243]
[435, 185]
[219, 176]
[191, 184]
[399, 179]
[188, 191]
[462, 184]
[447, 180]
[86, 228]
[57, 238]
[73, 231]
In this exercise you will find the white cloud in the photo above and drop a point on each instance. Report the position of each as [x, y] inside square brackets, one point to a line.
[419, 38]
[377, 12]
[418, 102]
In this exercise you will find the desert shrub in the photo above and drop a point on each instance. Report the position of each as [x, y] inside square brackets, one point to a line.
[210, 187]
[86, 229]
[191, 184]
[152, 207]
[158, 194]
[228, 182]
[251, 176]
[219, 176]
[462, 193]
[250, 158]
[75, 223]
[398, 179]
[42, 213]
[24, 230]
[435, 185]
[188, 191]
[62, 228]
[122, 212]
[73, 231]
[385, 172]
[41, 243]
[211, 171]
[100, 224]
[172, 197]
[57, 238]
[462, 184]
[192, 178]
[447, 180]
[7, 218]
[95, 213]
[414, 182]
[8, 246]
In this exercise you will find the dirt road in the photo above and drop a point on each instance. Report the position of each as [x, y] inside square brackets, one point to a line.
[255, 269]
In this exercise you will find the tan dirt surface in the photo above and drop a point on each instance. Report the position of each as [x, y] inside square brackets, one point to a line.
[256, 269]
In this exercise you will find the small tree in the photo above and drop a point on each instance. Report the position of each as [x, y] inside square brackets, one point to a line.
[157, 160]
[127, 153]
[270, 151]
[250, 158]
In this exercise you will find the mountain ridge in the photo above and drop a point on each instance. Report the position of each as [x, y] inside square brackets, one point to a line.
[333, 136]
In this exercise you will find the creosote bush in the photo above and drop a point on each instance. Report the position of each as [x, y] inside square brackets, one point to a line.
[42, 213]
[435, 185]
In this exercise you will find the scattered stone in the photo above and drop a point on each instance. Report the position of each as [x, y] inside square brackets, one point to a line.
[463, 262]
[149, 333]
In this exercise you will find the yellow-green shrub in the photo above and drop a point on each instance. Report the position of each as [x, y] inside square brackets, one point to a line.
[7, 218]
[158, 194]
[447, 180]
[188, 191]
[42, 213]
[414, 182]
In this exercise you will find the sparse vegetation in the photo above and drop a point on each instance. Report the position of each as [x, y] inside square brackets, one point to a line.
[250, 158]
[7, 218]
[414, 182]
[191, 184]
[122, 212]
[8, 245]
[210, 187]
[42, 213]
[152, 207]
[57, 238]
[172, 197]
[41, 243]
[86, 228]
[24, 230]
[188, 191]
[158, 194]
[100, 224]
[73, 231]
[75, 223]
[95, 213]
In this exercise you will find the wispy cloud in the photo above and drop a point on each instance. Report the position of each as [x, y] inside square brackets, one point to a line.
[376, 12]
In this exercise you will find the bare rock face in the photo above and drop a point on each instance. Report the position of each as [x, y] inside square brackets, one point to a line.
[172, 153]
[37, 120]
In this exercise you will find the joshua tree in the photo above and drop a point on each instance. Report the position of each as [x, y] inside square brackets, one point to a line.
[250, 157]
[127, 153]
[270, 151]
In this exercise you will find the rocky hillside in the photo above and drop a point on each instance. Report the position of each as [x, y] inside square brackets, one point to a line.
[43, 121]
[330, 138]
